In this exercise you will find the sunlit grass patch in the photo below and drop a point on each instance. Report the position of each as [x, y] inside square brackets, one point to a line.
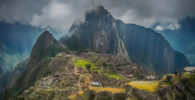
[73, 96]
[115, 76]
[130, 98]
[188, 75]
[164, 77]
[150, 86]
[113, 90]
[84, 63]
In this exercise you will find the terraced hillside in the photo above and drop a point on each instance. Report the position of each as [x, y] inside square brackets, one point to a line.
[66, 73]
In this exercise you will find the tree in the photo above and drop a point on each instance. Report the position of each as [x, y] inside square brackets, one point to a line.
[88, 66]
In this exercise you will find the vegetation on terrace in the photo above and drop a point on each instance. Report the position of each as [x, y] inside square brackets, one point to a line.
[115, 76]
[190, 76]
[109, 89]
[150, 86]
[84, 63]
[96, 89]
[175, 79]
[73, 96]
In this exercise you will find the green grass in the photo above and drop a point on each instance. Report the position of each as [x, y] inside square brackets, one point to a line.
[115, 76]
[83, 63]
[113, 90]
[189, 76]
[131, 98]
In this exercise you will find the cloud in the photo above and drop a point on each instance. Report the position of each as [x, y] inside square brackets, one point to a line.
[151, 12]
[20, 11]
[9, 61]
[167, 26]
[53, 15]
[62, 13]
[159, 28]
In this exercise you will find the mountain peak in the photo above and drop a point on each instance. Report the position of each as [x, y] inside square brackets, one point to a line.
[46, 34]
[101, 8]
[44, 41]
[98, 12]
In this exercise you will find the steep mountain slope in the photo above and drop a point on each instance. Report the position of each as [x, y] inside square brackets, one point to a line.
[102, 33]
[183, 38]
[150, 48]
[1, 71]
[190, 53]
[45, 47]
[98, 33]
[42, 48]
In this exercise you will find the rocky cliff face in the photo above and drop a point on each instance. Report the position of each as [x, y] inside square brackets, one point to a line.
[98, 33]
[101, 32]
[150, 48]
[40, 49]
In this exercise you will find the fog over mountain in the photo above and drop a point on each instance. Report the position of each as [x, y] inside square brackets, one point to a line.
[61, 13]
[16, 41]
[165, 16]
[183, 39]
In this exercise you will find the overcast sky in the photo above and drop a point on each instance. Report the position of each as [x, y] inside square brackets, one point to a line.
[60, 14]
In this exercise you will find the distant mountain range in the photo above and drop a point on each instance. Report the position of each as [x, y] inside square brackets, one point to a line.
[183, 39]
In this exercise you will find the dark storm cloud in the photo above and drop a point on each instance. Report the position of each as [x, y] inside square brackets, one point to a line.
[20, 10]
[62, 13]
[149, 12]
